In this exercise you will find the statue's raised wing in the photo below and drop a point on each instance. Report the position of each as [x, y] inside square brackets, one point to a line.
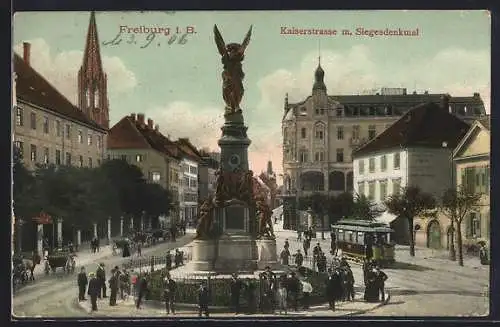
[219, 41]
[246, 40]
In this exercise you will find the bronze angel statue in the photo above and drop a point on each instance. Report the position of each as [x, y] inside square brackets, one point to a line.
[232, 77]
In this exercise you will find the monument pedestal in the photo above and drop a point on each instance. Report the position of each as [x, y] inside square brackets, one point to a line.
[204, 253]
[237, 253]
[267, 254]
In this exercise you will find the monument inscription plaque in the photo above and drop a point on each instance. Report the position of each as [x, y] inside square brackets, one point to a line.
[235, 218]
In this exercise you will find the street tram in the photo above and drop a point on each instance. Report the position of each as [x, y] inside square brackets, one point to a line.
[358, 239]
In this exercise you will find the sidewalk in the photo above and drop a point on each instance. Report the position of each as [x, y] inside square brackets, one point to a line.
[127, 308]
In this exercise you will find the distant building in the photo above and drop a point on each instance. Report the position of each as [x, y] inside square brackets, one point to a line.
[321, 132]
[414, 151]
[140, 143]
[188, 180]
[472, 160]
[48, 128]
[269, 178]
[206, 174]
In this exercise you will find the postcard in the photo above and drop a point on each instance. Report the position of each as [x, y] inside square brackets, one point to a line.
[177, 165]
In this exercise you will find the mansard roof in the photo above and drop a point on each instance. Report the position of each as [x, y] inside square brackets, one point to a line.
[427, 125]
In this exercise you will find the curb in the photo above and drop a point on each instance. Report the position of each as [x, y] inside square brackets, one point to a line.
[359, 312]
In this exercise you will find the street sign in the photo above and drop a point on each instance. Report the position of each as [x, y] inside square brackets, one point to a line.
[43, 219]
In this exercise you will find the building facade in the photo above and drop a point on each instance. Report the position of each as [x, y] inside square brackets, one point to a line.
[140, 143]
[472, 160]
[188, 181]
[206, 174]
[321, 133]
[48, 128]
[415, 151]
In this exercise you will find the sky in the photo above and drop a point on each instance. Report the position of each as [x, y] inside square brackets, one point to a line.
[179, 86]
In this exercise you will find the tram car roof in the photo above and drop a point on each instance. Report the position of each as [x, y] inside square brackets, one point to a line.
[362, 226]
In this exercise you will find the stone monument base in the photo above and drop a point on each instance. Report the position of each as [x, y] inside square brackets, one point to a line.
[203, 255]
[236, 253]
[267, 254]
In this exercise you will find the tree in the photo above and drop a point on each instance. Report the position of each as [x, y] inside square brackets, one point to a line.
[155, 200]
[364, 208]
[23, 190]
[456, 205]
[408, 204]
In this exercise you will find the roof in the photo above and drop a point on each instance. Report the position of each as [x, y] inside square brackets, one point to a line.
[188, 150]
[129, 133]
[483, 123]
[33, 88]
[427, 125]
[362, 226]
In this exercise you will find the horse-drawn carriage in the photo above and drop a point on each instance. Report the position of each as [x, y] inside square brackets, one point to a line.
[61, 258]
[365, 239]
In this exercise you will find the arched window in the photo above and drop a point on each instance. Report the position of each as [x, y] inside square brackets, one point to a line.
[87, 97]
[319, 131]
[96, 98]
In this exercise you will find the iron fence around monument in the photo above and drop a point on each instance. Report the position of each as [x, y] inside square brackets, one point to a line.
[155, 260]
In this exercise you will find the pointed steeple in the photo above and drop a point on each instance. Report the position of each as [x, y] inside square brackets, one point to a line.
[92, 54]
[319, 76]
[92, 81]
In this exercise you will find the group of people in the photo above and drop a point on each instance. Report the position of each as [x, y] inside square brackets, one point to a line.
[340, 284]
[121, 282]
[178, 259]
[95, 245]
[319, 257]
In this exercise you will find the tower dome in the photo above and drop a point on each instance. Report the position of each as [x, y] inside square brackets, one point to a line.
[319, 76]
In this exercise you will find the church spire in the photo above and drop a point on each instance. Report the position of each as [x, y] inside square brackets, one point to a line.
[319, 76]
[92, 81]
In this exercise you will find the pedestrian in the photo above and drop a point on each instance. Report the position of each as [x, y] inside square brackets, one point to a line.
[70, 247]
[293, 288]
[168, 261]
[349, 284]
[169, 289]
[203, 299]
[333, 286]
[299, 235]
[236, 286]
[139, 250]
[142, 290]
[287, 244]
[135, 282]
[101, 276]
[282, 295]
[178, 258]
[285, 256]
[305, 245]
[333, 243]
[113, 286]
[94, 290]
[124, 279]
[371, 288]
[126, 250]
[306, 293]
[316, 251]
[380, 278]
[250, 290]
[483, 254]
[82, 284]
[299, 258]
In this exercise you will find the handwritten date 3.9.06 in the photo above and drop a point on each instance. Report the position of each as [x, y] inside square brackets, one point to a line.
[145, 37]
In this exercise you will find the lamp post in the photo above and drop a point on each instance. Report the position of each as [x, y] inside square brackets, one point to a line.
[453, 254]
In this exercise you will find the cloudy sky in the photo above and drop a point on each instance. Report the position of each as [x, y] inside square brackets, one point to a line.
[179, 85]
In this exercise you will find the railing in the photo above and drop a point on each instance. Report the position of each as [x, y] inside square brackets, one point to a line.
[146, 262]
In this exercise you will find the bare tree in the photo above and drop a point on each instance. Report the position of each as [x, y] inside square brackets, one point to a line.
[408, 204]
[456, 204]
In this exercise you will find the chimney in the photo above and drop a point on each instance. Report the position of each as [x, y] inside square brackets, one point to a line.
[150, 123]
[140, 118]
[132, 116]
[26, 52]
[157, 128]
[476, 95]
[445, 102]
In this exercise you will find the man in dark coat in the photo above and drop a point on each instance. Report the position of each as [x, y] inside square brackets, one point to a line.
[94, 290]
[82, 284]
[169, 289]
[306, 245]
[299, 258]
[380, 278]
[333, 243]
[333, 288]
[203, 300]
[101, 276]
[113, 286]
[293, 288]
[168, 261]
[287, 245]
[236, 286]
[349, 284]
[316, 252]
[126, 250]
[142, 290]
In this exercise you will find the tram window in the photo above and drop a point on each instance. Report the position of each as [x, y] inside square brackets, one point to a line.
[340, 235]
[361, 238]
[351, 236]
